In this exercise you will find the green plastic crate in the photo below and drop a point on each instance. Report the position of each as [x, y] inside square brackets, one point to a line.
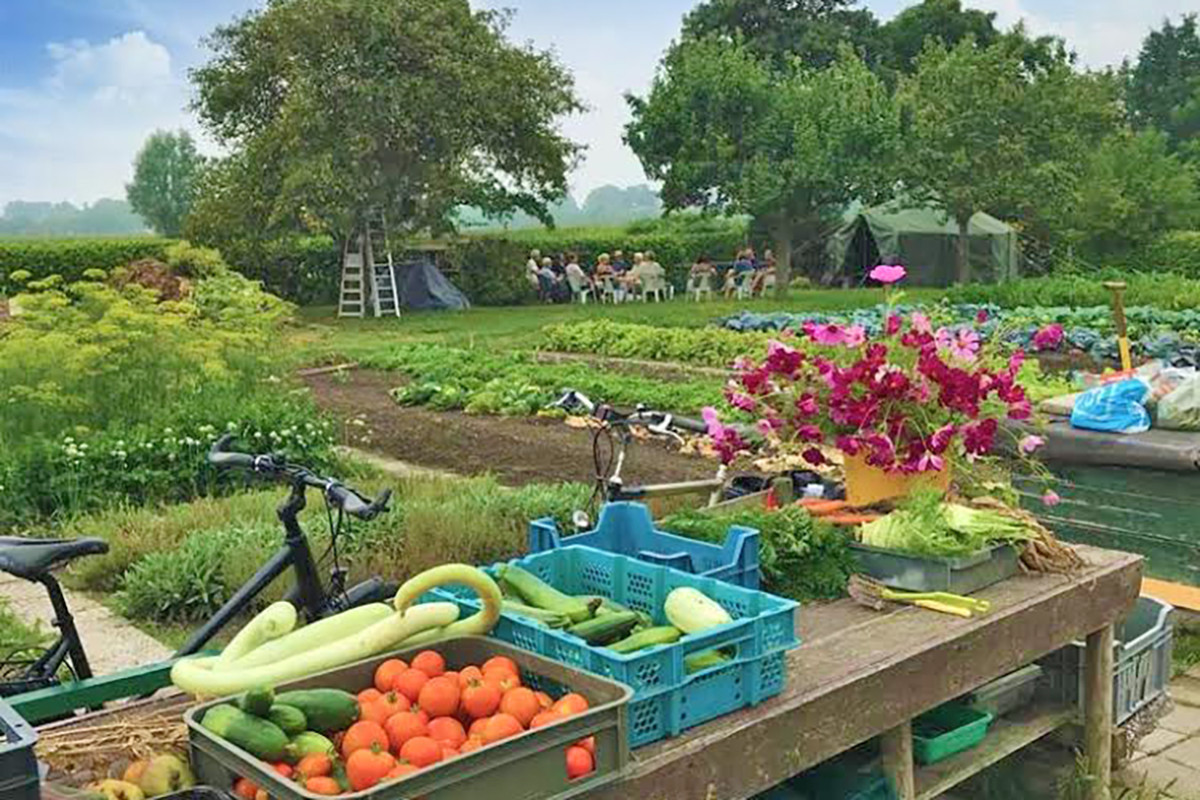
[531, 766]
[948, 730]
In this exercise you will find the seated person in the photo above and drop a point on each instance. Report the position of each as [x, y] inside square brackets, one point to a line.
[645, 267]
[743, 267]
[701, 272]
[764, 276]
[576, 277]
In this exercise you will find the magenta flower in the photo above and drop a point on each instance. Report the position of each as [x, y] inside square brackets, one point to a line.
[782, 359]
[981, 316]
[828, 334]
[854, 336]
[965, 344]
[1015, 361]
[893, 325]
[920, 323]
[807, 405]
[888, 274]
[1051, 499]
[1030, 444]
[809, 433]
[726, 441]
[814, 456]
[742, 402]
[1048, 338]
[768, 426]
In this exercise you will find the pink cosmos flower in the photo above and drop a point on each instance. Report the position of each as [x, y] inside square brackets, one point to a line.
[888, 274]
[807, 405]
[1051, 499]
[893, 325]
[1031, 443]
[828, 334]
[920, 323]
[981, 316]
[741, 401]
[965, 344]
[854, 336]
[1048, 338]
[1016, 360]
[768, 426]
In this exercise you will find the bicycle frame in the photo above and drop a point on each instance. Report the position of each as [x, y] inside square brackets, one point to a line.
[615, 489]
[295, 554]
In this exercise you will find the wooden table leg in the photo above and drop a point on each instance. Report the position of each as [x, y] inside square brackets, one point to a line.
[898, 760]
[1098, 712]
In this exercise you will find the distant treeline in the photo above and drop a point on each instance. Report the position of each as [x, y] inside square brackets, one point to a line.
[105, 217]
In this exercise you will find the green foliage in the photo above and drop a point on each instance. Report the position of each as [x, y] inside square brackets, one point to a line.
[800, 558]
[105, 217]
[477, 382]
[492, 272]
[987, 133]
[165, 175]
[788, 146]
[331, 109]
[710, 346]
[70, 258]
[1164, 85]
[1177, 252]
[17, 637]
[1165, 290]
[1132, 191]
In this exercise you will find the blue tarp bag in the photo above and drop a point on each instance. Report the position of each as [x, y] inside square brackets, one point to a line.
[1114, 408]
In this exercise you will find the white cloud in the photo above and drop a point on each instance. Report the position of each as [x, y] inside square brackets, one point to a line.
[73, 134]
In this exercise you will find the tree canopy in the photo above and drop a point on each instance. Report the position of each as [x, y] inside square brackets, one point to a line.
[165, 174]
[1164, 85]
[722, 129]
[332, 108]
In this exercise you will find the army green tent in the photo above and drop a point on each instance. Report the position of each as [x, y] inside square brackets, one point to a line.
[923, 239]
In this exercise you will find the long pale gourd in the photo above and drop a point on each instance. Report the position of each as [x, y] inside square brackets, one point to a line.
[198, 677]
[272, 622]
[314, 635]
[479, 623]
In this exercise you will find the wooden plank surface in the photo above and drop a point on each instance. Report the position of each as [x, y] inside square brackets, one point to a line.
[859, 673]
[1006, 736]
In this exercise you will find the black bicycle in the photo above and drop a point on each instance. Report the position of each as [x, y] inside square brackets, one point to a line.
[35, 559]
[610, 445]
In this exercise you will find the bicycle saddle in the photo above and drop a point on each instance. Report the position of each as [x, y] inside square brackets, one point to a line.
[33, 558]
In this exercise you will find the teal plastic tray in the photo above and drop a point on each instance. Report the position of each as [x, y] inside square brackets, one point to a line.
[948, 730]
[667, 700]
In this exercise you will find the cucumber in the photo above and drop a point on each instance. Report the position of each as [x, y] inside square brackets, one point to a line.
[537, 592]
[257, 701]
[308, 743]
[703, 660]
[664, 634]
[550, 619]
[608, 606]
[606, 628]
[327, 710]
[258, 737]
[290, 719]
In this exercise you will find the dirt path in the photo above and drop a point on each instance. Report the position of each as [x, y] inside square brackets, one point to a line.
[516, 451]
[111, 642]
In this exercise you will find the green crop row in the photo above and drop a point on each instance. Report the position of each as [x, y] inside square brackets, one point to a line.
[711, 346]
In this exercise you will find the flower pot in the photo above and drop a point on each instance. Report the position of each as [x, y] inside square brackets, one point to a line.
[867, 485]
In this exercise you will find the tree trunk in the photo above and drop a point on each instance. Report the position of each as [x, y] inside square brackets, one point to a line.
[782, 241]
[962, 253]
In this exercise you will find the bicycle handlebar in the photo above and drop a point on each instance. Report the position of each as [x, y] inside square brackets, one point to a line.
[660, 422]
[274, 466]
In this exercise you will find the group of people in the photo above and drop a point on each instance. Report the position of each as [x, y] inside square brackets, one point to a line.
[558, 279]
[747, 272]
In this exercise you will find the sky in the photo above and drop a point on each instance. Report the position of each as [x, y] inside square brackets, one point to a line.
[83, 82]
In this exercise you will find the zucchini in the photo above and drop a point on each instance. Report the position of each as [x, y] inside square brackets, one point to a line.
[609, 606]
[704, 660]
[315, 635]
[663, 634]
[272, 622]
[326, 710]
[537, 592]
[606, 628]
[258, 737]
[257, 701]
[307, 743]
[290, 719]
[478, 624]
[549, 619]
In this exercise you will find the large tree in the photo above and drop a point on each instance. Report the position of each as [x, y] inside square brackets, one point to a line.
[165, 174]
[780, 31]
[334, 108]
[1164, 85]
[722, 129]
[987, 133]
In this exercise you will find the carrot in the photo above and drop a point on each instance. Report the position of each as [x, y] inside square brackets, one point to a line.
[826, 507]
[845, 520]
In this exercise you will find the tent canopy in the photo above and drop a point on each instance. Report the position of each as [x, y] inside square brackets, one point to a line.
[424, 287]
[923, 239]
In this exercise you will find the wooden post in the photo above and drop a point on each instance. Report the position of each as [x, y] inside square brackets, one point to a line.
[898, 760]
[1098, 712]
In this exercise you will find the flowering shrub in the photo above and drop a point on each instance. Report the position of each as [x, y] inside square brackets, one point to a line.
[907, 400]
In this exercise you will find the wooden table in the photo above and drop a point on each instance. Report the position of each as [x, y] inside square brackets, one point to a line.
[861, 674]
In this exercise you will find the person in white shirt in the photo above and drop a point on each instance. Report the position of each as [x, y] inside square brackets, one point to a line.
[532, 266]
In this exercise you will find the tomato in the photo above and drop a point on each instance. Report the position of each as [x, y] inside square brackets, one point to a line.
[522, 703]
[499, 727]
[421, 751]
[385, 674]
[402, 727]
[480, 699]
[364, 736]
[283, 769]
[324, 786]
[571, 704]
[439, 697]
[365, 768]
[430, 662]
[579, 762]
[314, 765]
[245, 788]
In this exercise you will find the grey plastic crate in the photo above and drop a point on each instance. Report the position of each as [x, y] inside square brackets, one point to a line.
[530, 766]
[19, 777]
[960, 575]
[1008, 693]
[1141, 661]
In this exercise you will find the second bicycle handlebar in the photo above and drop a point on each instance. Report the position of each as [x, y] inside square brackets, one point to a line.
[336, 493]
[655, 421]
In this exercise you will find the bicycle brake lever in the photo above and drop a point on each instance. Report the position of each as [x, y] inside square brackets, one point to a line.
[663, 428]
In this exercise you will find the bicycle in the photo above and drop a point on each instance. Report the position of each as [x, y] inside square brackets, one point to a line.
[616, 430]
[35, 559]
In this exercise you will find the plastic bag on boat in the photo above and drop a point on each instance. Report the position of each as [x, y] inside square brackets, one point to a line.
[1113, 408]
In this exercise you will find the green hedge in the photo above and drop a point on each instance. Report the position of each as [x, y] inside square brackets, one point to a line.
[1178, 252]
[70, 257]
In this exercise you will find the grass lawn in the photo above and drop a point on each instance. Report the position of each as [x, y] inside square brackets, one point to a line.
[324, 337]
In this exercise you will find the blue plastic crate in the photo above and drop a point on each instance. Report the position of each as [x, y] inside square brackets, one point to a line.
[628, 529]
[666, 699]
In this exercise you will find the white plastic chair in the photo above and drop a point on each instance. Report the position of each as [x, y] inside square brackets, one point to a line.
[656, 286]
[579, 290]
[743, 285]
[699, 286]
[608, 290]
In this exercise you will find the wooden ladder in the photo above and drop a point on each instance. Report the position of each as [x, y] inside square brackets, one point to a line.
[352, 299]
[385, 295]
